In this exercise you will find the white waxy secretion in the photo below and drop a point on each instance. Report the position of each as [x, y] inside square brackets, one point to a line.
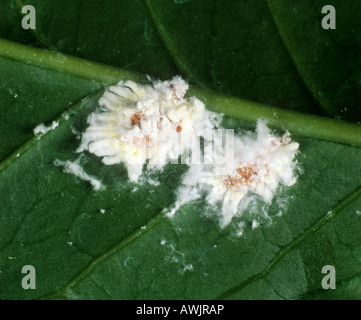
[139, 123]
[73, 167]
[154, 124]
[262, 162]
[41, 128]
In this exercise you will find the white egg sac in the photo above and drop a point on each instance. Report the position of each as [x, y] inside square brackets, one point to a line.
[261, 162]
[145, 123]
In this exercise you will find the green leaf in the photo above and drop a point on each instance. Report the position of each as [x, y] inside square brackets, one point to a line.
[116, 243]
[237, 49]
[52, 92]
[268, 51]
[328, 62]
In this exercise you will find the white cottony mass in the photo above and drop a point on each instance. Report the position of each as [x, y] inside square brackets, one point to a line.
[139, 123]
[262, 162]
[154, 124]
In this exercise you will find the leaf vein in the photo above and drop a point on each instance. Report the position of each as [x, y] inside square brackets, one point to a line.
[295, 243]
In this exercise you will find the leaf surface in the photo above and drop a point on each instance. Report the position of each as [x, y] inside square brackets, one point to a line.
[116, 243]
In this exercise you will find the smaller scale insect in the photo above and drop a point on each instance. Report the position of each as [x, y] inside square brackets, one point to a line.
[262, 162]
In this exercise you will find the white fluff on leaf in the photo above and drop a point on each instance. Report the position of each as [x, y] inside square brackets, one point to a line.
[74, 167]
[261, 163]
[154, 124]
[139, 123]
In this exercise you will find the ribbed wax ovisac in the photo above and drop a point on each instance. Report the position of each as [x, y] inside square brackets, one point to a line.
[138, 123]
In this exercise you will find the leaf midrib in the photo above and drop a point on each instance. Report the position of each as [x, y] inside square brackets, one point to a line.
[298, 123]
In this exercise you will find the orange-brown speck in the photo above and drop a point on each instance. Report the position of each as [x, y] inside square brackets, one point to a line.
[179, 129]
[135, 119]
[174, 91]
[141, 142]
[245, 175]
